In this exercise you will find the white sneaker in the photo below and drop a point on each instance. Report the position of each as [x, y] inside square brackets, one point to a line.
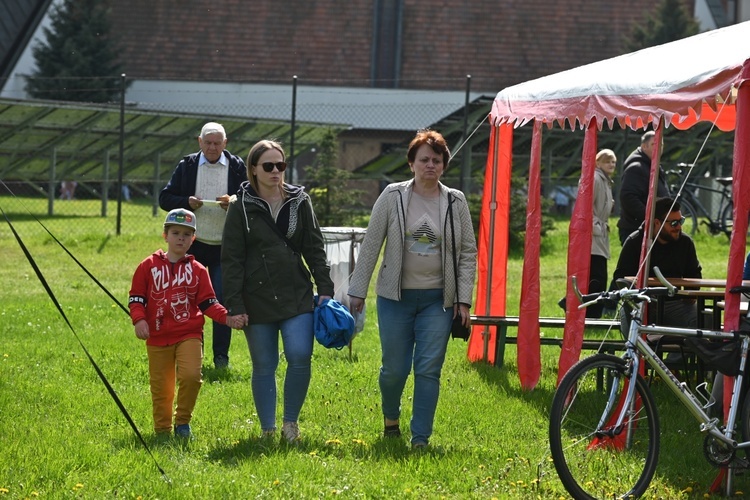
[290, 431]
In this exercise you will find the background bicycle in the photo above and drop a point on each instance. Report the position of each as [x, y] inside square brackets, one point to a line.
[707, 202]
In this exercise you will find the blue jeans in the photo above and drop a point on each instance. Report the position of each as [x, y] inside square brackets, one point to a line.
[210, 257]
[263, 341]
[414, 330]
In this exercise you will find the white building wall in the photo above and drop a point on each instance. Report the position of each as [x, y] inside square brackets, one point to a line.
[703, 14]
[14, 87]
[743, 10]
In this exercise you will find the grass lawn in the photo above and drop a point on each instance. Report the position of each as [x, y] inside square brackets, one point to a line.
[62, 435]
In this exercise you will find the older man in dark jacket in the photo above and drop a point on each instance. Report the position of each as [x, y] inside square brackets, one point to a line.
[203, 183]
[634, 188]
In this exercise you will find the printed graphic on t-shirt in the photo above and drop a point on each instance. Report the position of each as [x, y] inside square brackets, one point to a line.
[183, 287]
[421, 237]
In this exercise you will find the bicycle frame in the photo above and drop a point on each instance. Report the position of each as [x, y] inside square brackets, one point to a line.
[637, 342]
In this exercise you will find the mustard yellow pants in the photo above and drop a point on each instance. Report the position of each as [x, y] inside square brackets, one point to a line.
[181, 362]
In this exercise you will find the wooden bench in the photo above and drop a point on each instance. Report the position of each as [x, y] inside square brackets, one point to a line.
[501, 324]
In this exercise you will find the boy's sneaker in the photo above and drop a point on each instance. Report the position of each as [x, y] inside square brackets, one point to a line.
[290, 432]
[183, 431]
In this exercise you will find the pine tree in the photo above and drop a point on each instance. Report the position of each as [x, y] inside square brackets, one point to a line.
[329, 192]
[670, 22]
[78, 61]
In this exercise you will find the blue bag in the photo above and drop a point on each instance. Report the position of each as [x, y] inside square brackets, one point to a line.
[333, 324]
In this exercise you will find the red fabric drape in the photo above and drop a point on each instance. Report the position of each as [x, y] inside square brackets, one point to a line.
[740, 184]
[492, 255]
[579, 254]
[529, 354]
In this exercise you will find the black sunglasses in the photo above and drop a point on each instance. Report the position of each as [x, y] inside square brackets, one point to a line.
[676, 222]
[268, 166]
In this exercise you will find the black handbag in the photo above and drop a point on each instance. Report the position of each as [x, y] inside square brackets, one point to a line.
[458, 330]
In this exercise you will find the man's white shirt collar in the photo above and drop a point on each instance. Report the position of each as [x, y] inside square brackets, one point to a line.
[222, 159]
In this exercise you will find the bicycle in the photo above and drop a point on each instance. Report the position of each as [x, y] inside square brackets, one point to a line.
[604, 426]
[693, 209]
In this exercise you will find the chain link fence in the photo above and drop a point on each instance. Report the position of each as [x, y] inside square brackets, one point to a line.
[103, 160]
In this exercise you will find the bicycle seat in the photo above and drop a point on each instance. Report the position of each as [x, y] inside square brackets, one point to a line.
[724, 181]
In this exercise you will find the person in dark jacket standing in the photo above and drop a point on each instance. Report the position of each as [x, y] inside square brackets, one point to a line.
[272, 251]
[202, 183]
[634, 188]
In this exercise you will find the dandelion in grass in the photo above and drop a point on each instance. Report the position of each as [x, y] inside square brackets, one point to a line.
[359, 441]
[276, 482]
[331, 442]
[4, 490]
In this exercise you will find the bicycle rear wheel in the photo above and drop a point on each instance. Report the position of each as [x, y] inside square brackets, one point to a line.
[727, 219]
[590, 462]
[691, 219]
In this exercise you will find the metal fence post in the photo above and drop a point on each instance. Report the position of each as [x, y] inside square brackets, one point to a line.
[292, 159]
[105, 184]
[122, 152]
[51, 184]
[465, 180]
[157, 185]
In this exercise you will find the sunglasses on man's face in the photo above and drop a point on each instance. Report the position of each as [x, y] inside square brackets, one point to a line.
[676, 222]
[268, 166]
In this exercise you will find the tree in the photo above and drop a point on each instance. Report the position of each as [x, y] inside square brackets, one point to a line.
[329, 192]
[670, 22]
[78, 61]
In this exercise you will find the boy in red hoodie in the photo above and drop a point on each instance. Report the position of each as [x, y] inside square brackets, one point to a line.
[170, 294]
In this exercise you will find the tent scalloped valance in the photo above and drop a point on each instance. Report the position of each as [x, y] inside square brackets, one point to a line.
[683, 82]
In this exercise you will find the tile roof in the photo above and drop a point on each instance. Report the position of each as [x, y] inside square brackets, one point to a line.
[331, 42]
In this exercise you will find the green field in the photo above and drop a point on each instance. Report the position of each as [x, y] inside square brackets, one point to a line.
[62, 435]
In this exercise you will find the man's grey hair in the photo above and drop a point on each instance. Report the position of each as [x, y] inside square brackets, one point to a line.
[213, 128]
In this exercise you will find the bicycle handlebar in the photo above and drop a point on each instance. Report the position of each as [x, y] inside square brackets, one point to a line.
[635, 295]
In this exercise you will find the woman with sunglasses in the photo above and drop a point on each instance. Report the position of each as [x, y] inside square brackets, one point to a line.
[272, 251]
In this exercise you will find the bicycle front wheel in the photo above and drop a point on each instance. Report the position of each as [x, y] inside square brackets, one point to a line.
[593, 458]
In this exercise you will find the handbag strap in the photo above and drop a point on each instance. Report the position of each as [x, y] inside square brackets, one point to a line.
[453, 243]
[267, 219]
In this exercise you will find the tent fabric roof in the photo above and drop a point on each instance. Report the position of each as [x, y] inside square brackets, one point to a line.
[685, 80]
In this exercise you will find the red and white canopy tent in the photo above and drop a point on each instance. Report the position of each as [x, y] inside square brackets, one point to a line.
[675, 84]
